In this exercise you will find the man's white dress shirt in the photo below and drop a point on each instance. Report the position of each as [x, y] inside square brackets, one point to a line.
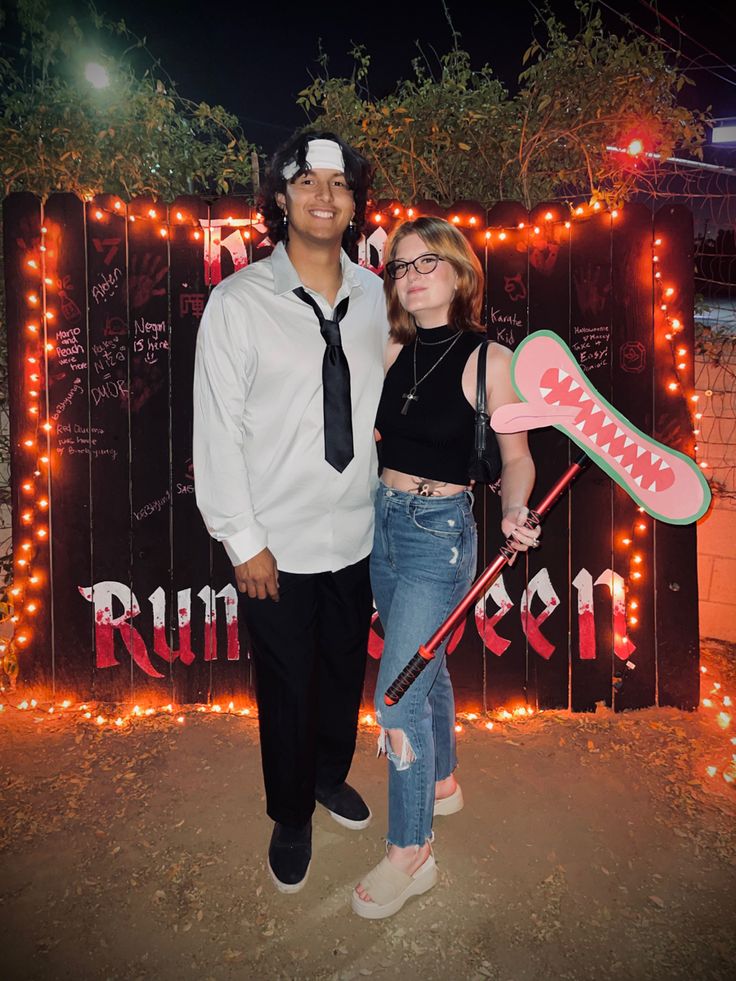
[260, 475]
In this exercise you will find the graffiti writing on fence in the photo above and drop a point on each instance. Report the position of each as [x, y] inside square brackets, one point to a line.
[109, 594]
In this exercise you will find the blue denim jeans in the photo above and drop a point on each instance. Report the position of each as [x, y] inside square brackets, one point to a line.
[423, 562]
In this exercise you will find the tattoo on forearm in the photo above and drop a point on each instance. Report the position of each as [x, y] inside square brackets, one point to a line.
[428, 488]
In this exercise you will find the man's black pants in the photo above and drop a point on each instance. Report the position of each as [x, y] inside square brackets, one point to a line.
[309, 651]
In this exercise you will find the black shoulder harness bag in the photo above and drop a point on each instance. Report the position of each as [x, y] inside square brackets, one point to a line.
[485, 463]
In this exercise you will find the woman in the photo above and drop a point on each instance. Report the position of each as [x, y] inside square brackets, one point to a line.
[424, 551]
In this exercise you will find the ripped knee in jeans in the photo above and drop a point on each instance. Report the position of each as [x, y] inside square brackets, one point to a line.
[394, 743]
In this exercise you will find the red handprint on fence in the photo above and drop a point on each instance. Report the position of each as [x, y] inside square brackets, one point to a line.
[145, 276]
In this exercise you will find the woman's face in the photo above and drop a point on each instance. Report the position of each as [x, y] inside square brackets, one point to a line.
[427, 296]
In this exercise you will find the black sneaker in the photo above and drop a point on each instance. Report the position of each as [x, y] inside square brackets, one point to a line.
[289, 856]
[346, 806]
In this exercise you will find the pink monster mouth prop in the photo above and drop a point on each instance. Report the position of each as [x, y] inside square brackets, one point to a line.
[555, 392]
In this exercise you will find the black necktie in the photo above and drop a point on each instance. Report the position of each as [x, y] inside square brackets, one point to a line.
[338, 416]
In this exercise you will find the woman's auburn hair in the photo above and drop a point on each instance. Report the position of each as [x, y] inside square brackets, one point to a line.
[443, 238]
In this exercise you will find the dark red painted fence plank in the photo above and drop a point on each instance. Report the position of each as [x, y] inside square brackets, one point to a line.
[73, 446]
[549, 605]
[591, 496]
[676, 580]
[634, 663]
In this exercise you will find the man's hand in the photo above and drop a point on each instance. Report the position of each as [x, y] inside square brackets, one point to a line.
[259, 576]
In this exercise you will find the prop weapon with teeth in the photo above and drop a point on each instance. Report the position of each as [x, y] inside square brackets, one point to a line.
[555, 392]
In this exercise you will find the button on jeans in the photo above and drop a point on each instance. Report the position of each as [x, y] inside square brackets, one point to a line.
[422, 564]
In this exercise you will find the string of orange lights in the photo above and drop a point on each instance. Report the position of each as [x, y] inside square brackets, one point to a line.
[26, 589]
[118, 717]
[718, 705]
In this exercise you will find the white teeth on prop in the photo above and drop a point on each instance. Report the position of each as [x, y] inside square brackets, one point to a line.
[629, 468]
[655, 459]
[619, 433]
[544, 392]
[574, 386]
[638, 480]
[584, 398]
[628, 442]
[640, 451]
[607, 421]
[593, 439]
[561, 375]
[580, 426]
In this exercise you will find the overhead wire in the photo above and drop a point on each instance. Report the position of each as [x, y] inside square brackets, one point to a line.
[658, 39]
[676, 27]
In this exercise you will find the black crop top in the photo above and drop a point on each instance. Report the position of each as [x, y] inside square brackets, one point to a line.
[434, 439]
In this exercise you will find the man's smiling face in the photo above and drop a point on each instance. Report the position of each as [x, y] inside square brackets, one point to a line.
[319, 205]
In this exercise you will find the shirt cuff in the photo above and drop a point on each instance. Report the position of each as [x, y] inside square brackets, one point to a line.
[245, 544]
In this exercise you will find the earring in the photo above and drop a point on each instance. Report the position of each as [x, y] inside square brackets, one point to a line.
[351, 225]
[285, 220]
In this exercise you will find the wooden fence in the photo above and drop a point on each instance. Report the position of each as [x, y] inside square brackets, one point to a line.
[120, 593]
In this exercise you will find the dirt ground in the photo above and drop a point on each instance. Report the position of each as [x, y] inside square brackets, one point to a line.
[590, 847]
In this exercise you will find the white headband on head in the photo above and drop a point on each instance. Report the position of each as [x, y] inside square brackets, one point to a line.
[321, 155]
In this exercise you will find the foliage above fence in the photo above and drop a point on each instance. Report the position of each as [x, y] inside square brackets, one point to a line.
[459, 134]
[129, 131]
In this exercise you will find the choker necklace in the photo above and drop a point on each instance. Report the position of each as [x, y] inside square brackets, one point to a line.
[411, 395]
[445, 340]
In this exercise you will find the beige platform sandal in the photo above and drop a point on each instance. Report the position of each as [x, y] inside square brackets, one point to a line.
[389, 888]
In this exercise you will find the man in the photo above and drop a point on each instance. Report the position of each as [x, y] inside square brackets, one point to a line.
[287, 380]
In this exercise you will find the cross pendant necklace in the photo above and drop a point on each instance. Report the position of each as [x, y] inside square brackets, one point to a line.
[408, 397]
[411, 395]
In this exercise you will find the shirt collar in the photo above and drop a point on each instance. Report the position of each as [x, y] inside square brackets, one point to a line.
[286, 278]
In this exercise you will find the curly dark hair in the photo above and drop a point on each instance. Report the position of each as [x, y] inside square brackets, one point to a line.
[358, 173]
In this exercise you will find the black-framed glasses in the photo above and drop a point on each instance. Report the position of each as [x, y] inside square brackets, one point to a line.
[423, 264]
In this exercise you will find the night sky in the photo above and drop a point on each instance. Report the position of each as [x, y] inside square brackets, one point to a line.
[254, 58]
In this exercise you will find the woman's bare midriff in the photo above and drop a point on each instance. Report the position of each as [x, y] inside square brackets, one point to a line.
[422, 486]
